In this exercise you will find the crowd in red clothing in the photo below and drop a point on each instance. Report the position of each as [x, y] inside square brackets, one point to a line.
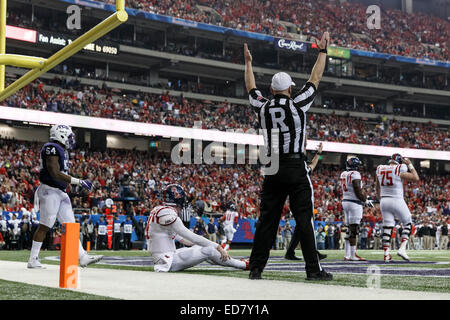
[417, 34]
[179, 111]
[210, 188]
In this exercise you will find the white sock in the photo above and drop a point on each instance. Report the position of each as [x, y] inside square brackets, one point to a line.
[35, 248]
[81, 251]
[353, 251]
[347, 249]
[404, 244]
[238, 264]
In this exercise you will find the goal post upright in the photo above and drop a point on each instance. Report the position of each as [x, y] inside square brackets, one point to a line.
[2, 41]
[40, 66]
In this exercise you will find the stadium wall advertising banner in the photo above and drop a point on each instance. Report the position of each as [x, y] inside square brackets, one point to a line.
[247, 34]
[339, 52]
[22, 34]
[62, 41]
[290, 45]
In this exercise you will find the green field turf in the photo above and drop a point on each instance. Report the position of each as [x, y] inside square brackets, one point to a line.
[10, 290]
[432, 284]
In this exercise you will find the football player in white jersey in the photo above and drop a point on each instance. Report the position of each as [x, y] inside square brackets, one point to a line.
[389, 187]
[352, 202]
[229, 218]
[164, 226]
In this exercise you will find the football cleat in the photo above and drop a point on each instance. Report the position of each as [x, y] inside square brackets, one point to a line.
[319, 276]
[292, 257]
[402, 253]
[247, 263]
[387, 258]
[321, 256]
[347, 259]
[35, 264]
[87, 259]
[357, 258]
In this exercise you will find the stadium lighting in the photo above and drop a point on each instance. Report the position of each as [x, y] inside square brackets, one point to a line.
[150, 129]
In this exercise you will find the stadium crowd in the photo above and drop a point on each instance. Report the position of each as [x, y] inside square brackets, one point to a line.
[179, 111]
[417, 34]
[372, 40]
[210, 188]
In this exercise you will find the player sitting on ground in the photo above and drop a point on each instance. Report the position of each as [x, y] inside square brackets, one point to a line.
[352, 202]
[164, 226]
[392, 204]
[51, 194]
[229, 218]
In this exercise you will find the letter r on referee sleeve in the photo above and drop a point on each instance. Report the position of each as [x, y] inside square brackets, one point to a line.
[305, 97]
[256, 99]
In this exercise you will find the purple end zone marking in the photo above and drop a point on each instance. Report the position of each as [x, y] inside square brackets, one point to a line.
[333, 266]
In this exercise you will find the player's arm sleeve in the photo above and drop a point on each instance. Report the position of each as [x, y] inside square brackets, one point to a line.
[305, 97]
[256, 99]
[178, 227]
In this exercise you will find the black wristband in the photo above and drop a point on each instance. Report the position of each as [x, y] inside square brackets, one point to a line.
[323, 50]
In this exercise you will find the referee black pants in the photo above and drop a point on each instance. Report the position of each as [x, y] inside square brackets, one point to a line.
[291, 180]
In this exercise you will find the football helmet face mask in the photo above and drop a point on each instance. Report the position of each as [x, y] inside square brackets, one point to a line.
[397, 158]
[232, 207]
[353, 163]
[64, 135]
[174, 195]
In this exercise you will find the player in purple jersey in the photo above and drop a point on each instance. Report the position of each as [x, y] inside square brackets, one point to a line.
[51, 194]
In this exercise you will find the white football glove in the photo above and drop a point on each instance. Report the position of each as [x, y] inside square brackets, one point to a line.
[369, 203]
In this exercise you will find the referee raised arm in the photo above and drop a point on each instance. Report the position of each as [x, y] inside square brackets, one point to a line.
[286, 114]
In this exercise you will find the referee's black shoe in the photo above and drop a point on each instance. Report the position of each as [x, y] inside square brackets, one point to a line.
[255, 274]
[319, 276]
[292, 257]
[321, 256]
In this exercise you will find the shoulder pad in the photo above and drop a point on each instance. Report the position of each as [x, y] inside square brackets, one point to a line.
[166, 216]
[403, 168]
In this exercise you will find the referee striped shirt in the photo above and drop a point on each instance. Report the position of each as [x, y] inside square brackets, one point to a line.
[286, 115]
[185, 213]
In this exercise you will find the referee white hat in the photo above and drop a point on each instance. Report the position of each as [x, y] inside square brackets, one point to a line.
[281, 81]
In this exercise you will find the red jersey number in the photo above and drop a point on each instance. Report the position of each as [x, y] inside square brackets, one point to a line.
[387, 178]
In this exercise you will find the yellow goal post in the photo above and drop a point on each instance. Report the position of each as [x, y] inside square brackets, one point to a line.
[40, 66]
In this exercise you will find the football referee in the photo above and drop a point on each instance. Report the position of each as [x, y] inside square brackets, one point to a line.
[286, 114]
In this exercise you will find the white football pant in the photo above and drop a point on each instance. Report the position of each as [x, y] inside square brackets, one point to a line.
[353, 212]
[185, 258]
[54, 203]
[392, 208]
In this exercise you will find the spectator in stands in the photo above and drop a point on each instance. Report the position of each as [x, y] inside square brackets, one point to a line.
[199, 227]
[287, 232]
[90, 232]
[140, 230]
[320, 238]
[329, 236]
[364, 236]
[211, 230]
[4, 230]
[14, 231]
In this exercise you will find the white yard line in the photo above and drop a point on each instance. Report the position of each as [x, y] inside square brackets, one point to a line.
[142, 285]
